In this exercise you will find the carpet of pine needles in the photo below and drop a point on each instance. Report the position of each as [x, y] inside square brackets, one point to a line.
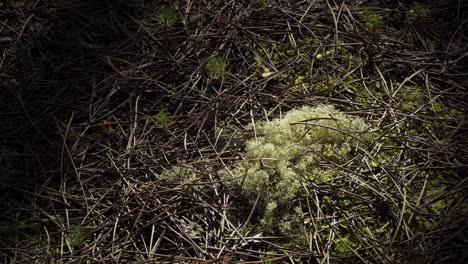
[98, 98]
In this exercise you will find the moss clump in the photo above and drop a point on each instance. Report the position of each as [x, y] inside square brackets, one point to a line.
[297, 148]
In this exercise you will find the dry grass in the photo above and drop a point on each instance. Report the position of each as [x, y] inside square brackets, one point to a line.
[81, 153]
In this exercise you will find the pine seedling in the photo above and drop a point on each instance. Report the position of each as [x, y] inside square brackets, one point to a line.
[168, 16]
[372, 20]
[216, 67]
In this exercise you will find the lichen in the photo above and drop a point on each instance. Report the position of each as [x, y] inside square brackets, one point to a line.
[292, 150]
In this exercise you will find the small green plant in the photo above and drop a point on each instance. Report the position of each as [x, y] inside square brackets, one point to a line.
[72, 135]
[420, 11]
[343, 245]
[78, 236]
[163, 119]
[216, 67]
[268, 261]
[168, 16]
[372, 20]
[263, 3]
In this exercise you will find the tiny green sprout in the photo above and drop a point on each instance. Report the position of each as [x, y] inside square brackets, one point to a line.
[344, 245]
[163, 119]
[72, 135]
[420, 11]
[268, 261]
[372, 20]
[263, 3]
[216, 67]
[77, 236]
[168, 16]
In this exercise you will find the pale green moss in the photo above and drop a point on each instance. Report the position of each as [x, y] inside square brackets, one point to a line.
[179, 174]
[412, 99]
[288, 151]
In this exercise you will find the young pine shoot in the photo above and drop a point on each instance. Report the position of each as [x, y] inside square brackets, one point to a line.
[216, 67]
[372, 20]
[168, 16]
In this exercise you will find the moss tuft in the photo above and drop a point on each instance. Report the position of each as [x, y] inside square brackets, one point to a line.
[293, 150]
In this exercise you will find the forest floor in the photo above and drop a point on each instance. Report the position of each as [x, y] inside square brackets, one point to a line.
[105, 106]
